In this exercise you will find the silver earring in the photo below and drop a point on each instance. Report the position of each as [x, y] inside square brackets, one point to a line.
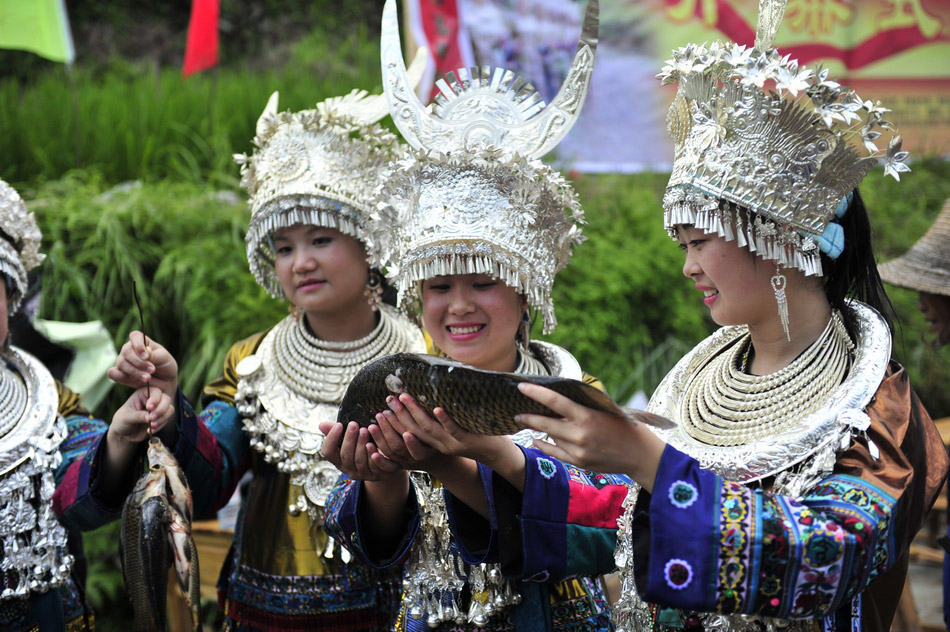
[778, 286]
[374, 290]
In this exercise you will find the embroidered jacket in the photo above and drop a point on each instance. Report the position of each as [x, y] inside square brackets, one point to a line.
[704, 544]
[274, 578]
[572, 601]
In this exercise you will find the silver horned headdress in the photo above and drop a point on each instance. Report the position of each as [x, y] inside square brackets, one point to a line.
[473, 195]
[19, 244]
[316, 167]
[766, 152]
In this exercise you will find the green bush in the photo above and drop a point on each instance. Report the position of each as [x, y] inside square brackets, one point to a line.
[136, 122]
[182, 244]
[623, 294]
[900, 215]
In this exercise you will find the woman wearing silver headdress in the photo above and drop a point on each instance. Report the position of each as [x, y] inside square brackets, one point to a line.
[801, 464]
[310, 181]
[44, 431]
[473, 227]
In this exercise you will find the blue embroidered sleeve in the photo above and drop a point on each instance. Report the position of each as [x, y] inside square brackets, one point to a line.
[563, 525]
[213, 452]
[75, 500]
[727, 548]
[341, 520]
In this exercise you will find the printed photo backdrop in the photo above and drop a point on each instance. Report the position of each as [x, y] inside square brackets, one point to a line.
[895, 51]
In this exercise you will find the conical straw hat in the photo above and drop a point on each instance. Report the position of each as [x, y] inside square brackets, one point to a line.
[926, 267]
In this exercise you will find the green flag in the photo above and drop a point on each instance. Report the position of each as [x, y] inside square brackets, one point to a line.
[39, 26]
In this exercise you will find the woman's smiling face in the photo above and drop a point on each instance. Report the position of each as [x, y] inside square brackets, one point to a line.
[473, 318]
[737, 289]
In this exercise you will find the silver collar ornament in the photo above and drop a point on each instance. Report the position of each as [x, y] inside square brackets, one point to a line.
[19, 244]
[293, 382]
[435, 573]
[35, 556]
[795, 458]
[317, 167]
[765, 152]
[472, 196]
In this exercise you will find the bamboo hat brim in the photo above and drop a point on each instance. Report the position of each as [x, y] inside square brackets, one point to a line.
[926, 266]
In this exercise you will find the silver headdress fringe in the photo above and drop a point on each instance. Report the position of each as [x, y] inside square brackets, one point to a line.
[316, 167]
[445, 214]
[19, 244]
[473, 196]
[754, 130]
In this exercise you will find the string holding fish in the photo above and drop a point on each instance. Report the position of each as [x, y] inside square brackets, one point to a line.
[148, 391]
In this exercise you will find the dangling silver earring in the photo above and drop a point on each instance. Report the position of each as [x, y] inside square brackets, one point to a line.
[778, 286]
[374, 290]
[524, 330]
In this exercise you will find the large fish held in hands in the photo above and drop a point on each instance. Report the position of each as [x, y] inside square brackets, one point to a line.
[480, 401]
[156, 533]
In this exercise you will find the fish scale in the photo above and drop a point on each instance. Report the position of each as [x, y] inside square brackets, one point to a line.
[480, 401]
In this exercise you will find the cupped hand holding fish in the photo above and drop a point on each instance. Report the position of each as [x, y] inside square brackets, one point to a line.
[596, 440]
[350, 448]
[442, 434]
[143, 361]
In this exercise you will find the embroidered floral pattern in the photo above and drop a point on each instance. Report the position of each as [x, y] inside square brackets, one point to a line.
[734, 553]
[678, 574]
[683, 494]
[547, 468]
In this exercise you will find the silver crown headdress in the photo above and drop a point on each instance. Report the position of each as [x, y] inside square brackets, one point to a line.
[316, 167]
[19, 244]
[766, 152]
[473, 196]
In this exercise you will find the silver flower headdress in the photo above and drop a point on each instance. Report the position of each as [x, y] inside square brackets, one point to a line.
[19, 244]
[473, 196]
[766, 152]
[318, 167]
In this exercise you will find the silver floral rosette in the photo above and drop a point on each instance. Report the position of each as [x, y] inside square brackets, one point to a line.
[35, 556]
[794, 459]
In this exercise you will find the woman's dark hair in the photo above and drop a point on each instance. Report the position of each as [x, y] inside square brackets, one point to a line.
[854, 273]
[390, 295]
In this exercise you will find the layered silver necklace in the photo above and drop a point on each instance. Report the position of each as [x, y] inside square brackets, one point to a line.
[293, 382]
[320, 370]
[12, 399]
[726, 406]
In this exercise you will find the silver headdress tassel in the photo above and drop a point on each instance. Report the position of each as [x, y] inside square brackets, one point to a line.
[473, 196]
[766, 152]
[316, 167]
[19, 245]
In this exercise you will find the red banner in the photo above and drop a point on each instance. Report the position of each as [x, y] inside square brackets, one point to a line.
[201, 51]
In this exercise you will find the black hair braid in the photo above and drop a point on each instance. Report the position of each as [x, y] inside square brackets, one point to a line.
[854, 273]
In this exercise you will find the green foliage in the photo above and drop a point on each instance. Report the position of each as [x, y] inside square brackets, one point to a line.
[181, 243]
[136, 122]
[900, 215]
[105, 589]
[623, 293]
